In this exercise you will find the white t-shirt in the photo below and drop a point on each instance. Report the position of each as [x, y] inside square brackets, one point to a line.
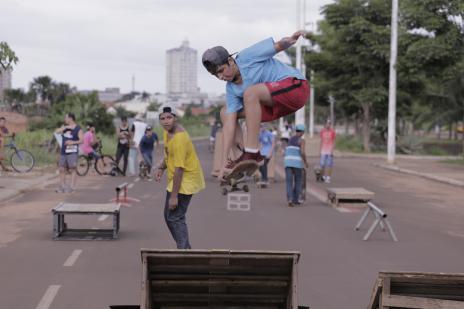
[285, 133]
[139, 132]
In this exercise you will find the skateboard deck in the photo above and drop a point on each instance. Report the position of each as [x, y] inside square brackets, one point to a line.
[318, 173]
[238, 176]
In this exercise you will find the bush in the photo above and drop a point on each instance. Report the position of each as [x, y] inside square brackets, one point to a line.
[349, 143]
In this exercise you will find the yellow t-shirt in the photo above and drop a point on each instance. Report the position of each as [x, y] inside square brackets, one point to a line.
[180, 152]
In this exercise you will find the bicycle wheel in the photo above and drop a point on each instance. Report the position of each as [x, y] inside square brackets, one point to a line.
[22, 161]
[83, 165]
[104, 165]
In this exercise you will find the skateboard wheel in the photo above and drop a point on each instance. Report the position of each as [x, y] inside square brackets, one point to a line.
[224, 191]
[245, 188]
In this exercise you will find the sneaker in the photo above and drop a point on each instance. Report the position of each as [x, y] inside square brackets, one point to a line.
[60, 189]
[68, 190]
[290, 204]
[327, 179]
[249, 156]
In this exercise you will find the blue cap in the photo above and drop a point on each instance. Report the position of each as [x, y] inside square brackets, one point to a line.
[300, 127]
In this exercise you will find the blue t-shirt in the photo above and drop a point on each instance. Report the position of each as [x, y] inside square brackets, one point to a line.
[265, 139]
[257, 65]
[73, 135]
[147, 143]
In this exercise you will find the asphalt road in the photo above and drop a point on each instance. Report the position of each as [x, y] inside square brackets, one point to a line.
[337, 269]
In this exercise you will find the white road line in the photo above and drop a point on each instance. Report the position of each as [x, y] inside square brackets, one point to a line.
[137, 179]
[72, 258]
[48, 297]
[131, 185]
[103, 217]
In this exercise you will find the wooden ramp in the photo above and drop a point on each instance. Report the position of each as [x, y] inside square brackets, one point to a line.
[418, 290]
[219, 279]
[349, 197]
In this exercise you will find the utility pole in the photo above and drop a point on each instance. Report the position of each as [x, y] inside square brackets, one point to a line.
[392, 86]
[300, 8]
[133, 82]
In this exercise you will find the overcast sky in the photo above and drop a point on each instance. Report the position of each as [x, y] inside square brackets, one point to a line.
[94, 44]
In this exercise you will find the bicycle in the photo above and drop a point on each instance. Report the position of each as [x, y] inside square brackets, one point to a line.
[103, 166]
[21, 160]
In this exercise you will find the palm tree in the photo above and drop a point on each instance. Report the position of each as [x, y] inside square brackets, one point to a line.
[42, 87]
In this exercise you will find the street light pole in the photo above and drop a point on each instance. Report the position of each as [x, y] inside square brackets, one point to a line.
[392, 86]
[300, 114]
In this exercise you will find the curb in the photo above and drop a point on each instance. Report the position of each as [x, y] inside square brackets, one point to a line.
[444, 180]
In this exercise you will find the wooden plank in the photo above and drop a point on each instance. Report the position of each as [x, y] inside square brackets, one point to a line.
[219, 283]
[145, 289]
[375, 295]
[351, 193]
[192, 298]
[420, 303]
[385, 293]
[227, 269]
[87, 208]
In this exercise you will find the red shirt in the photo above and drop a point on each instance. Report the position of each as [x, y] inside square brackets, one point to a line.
[327, 141]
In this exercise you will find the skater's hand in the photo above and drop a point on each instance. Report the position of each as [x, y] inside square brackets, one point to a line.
[172, 203]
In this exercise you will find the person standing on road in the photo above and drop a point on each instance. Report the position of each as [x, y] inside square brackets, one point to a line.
[72, 137]
[295, 162]
[137, 132]
[267, 142]
[124, 138]
[184, 175]
[4, 133]
[146, 148]
[326, 150]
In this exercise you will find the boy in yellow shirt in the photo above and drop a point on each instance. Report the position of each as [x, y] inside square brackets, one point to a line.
[185, 175]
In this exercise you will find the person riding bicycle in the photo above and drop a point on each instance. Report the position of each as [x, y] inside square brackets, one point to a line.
[4, 133]
[90, 142]
[146, 147]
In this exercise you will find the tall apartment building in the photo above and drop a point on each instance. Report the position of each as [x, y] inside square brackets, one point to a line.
[5, 81]
[181, 70]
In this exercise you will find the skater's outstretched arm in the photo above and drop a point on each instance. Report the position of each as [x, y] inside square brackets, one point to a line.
[286, 42]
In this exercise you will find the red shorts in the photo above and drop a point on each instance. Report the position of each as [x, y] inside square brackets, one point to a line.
[288, 95]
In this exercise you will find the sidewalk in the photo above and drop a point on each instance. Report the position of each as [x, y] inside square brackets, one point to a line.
[13, 185]
[432, 169]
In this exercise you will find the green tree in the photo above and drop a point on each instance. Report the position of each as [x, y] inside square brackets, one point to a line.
[122, 112]
[42, 86]
[7, 57]
[86, 107]
[153, 106]
[352, 65]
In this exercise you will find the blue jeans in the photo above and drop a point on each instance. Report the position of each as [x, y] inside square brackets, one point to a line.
[263, 170]
[293, 179]
[175, 220]
[148, 158]
[326, 160]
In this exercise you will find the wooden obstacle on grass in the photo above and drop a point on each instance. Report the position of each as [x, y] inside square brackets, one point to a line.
[418, 290]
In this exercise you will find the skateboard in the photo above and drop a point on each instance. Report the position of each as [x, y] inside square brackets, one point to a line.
[144, 170]
[303, 186]
[237, 176]
[318, 173]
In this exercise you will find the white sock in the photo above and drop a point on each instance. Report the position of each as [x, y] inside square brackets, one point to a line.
[251, 150]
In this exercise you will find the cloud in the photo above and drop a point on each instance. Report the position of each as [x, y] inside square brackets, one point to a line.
[94, 44]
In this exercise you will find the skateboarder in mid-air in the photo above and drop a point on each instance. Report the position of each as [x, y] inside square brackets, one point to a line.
[259, 88]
